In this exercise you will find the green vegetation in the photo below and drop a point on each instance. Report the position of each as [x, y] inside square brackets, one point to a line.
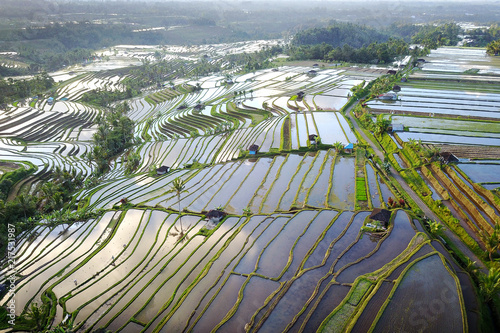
[482, 37]
[348, 42]
[493, 48]
[114, 134]
[11, 90]
[361, 189]
[441, 35]
[276, 238]
[104, 98]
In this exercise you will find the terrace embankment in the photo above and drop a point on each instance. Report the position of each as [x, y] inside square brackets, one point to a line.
[374, 110]
[473, 152]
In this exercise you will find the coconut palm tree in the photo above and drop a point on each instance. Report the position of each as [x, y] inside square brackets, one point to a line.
[381, 125]
[26, 204]
[35, 317]
[178, 186]
[338, 146]
[490, 284]
[435, 227]
[491, 242]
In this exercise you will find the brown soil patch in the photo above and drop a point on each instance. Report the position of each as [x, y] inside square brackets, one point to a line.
[8, 166]
[473, 152]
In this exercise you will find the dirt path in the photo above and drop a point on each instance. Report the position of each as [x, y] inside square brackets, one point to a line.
[427, 211]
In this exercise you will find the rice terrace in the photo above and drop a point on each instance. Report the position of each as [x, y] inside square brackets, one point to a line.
[248, 186]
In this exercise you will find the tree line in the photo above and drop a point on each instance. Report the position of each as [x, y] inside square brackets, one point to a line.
[11, 90]
[114, 134]
[481, 37]
[346, 42]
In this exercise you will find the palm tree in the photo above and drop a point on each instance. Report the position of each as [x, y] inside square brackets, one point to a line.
[178, 186]
[490, 284]
[338, 146]
[25, 203]
[491, 242]
[381, 125]
[35, 317]
[435, 227]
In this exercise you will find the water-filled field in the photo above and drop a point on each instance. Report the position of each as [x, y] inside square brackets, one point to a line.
[290, 253]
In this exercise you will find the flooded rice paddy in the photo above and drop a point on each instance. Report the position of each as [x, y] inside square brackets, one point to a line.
[290, 249]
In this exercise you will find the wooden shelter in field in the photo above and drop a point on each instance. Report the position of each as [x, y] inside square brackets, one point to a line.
[447, 157]
[381, 215]
[162, 170]
[215, 215]
[253, 149]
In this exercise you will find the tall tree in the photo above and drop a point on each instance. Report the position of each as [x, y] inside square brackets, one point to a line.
[178, 186]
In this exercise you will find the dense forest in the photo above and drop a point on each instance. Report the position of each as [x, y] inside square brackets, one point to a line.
[340, 34]
[360, 44]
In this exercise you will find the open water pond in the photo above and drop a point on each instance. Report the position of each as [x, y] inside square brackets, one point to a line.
[342, 190]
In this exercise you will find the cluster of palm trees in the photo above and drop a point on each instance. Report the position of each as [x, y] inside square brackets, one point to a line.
[133, 161]
[11, 90]
[430, 154]
[114, 134]
[381, 125]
